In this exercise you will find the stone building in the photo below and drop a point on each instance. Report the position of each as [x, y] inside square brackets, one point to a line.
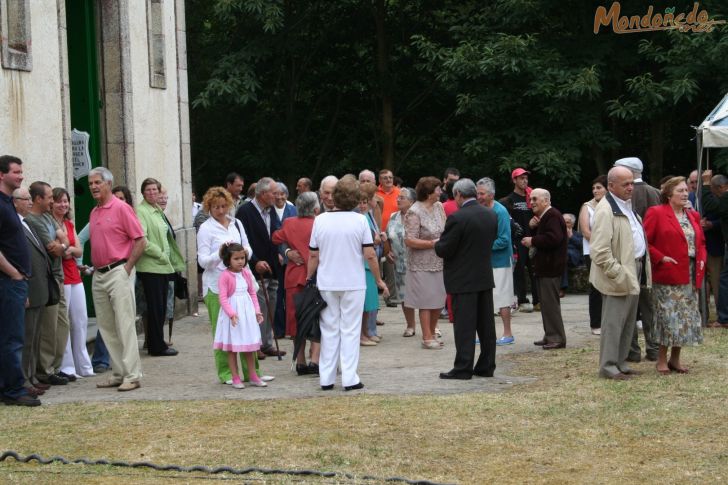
[115, 69]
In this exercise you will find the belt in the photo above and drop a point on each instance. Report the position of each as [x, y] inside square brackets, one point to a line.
[109, 267]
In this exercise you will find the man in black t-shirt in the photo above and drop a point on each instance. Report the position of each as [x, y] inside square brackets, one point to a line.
[519, 207]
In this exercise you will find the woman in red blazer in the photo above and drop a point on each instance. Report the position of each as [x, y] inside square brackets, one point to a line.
[677, 252]
[296, 233]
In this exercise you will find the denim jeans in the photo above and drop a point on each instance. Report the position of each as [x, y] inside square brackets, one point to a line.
[722, 302]
[12, 335]
[101, 355]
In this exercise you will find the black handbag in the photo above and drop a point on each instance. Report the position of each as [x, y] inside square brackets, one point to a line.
[180, 287]
[54, 292]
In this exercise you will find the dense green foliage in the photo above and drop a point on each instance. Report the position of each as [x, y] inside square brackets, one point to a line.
[288, 89]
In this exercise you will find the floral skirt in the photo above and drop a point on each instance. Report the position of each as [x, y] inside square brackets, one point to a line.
[677, 317]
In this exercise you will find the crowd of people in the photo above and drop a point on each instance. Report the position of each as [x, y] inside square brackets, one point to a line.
[446, 247]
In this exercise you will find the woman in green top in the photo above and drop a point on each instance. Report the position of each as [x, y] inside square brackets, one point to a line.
[160, 260]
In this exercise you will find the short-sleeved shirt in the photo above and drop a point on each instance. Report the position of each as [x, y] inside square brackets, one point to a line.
[13, 244]
[114, 227]
[425, 224]
[339, 237]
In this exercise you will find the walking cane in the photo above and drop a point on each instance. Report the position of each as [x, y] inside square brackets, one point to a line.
[270, 317]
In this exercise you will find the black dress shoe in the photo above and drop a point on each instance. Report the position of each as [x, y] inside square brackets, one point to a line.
[302, 369]
[483, 374]
[70, 377]
[327, 387]
[313, 368]
[26, 400]
[455, 375]
[56, 380]
[540, 343]
[167, 353]
[354, 387]
[554, 345]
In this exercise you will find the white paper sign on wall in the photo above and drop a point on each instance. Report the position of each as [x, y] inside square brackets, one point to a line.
[81, 158]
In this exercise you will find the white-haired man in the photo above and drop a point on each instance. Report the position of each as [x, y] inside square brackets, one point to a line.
[326, 192]
[551, 242]
[501, 256]
[117, 242]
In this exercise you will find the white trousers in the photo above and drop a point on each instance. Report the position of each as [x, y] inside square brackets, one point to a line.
[340, 331]
[75, 359]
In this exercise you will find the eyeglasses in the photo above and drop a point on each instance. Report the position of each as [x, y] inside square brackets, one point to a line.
[21, 198]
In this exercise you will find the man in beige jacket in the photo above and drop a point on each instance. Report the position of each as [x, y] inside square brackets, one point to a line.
[619, 261]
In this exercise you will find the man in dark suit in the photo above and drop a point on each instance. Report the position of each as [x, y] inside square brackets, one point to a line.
[260, 221]
[550, 241]
[41, 277]
[465, 247]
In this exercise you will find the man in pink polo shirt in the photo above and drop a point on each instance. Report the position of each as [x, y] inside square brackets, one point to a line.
[389, 193]
[117, 242]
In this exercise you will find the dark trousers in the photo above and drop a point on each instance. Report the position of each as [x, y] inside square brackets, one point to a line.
[101, 353]
[645, 314]
[474, 313]
[155, 292]
[12, 335]
[520, 270]
[279, 319]
[553, 324]
[595, 301]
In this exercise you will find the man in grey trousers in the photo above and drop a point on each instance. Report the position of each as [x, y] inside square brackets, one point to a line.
[620, 262]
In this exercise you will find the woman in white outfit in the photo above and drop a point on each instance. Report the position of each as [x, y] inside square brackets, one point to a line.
[76, 362]
[340, 242]
[586, 218]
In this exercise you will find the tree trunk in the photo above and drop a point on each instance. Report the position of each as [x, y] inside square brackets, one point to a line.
[657, 150]
[380, 13]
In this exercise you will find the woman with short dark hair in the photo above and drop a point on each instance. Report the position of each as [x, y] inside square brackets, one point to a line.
[423, 224]
[160, 260]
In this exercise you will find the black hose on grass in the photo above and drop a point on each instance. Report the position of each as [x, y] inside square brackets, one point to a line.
[200, 468]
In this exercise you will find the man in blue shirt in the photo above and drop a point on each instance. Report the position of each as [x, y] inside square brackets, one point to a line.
[14, 271]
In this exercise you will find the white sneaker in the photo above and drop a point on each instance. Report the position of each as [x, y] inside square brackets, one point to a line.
[267, 378]
[228, 382]
[239, 385]
[525, 308]
[596, 331]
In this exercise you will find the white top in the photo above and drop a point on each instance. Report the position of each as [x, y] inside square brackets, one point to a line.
[339, 237]
[584, 243]
[211, 236]
[638, 234]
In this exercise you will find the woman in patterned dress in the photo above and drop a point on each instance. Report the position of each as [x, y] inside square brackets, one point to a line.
[677, 252]
[423, 224]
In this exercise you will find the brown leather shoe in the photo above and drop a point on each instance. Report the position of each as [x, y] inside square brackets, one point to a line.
[540, 343]
[554, 345]
[261, 355]
[129, 386]
[274, 353]
[107, 384]
[41, 386]
[632, 372]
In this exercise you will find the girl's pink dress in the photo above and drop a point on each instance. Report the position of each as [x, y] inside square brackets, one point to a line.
[237, 297]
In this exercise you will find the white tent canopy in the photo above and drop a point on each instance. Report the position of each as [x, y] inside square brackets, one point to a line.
[713, 131]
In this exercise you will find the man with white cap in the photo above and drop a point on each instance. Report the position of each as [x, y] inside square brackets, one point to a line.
[644, 196]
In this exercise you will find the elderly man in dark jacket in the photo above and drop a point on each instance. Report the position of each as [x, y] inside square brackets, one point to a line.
[465, 246]
[550, 243]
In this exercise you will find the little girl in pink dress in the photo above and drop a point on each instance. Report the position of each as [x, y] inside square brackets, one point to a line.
[238, 324]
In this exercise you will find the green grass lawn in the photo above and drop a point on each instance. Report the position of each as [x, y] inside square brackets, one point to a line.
[566, 427]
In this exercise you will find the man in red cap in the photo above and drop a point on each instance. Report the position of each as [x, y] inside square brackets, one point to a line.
[519, 206]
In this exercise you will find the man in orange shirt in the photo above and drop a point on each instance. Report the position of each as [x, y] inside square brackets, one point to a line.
[388, 193]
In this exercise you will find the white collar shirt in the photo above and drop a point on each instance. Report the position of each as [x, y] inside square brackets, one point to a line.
[211, 236]
[638, 234]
